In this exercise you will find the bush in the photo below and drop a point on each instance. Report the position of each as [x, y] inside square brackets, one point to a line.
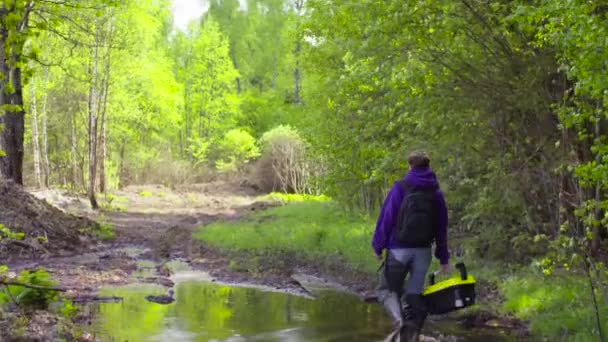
[27, 297]
[283, 166]
[235, 150]
[198, 149]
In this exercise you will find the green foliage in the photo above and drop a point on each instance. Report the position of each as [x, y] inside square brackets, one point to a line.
[6, 233]
[283, 198]
[558, 307]
[211, 104]
[145, 194]
[236, 149]
[28, 297]
[104, 231]
[285, 164]
[67, 309]
[279, 135]
[199, 149]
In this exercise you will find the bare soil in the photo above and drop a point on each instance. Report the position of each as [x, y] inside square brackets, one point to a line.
[47, 229]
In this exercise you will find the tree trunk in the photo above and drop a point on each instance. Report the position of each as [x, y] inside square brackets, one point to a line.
[273, 83]
[93, 121]
[296, 74]
[35, 137]
[238, 79]
[121, 168]
[45, 151]
[596, 237]
[12, 122]
[104, 152]
[299, 5]
[104, 107]
[11, 139]
[73, 154]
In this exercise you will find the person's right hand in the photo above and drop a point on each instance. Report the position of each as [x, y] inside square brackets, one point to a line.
[444, 269]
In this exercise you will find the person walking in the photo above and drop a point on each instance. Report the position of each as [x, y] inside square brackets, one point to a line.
[413, 217]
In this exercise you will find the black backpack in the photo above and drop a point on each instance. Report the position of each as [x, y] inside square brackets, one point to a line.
[417, 218]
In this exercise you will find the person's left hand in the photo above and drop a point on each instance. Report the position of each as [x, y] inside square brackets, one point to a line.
[378, 256]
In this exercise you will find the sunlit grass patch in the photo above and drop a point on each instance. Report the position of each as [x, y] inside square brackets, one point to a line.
[559, 307]
[145, 194]
[313, 228]
[278, 197]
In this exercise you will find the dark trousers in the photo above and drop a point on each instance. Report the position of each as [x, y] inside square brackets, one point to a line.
[397, 266]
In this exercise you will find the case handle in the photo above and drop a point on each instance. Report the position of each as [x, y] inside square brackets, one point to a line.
[463, 270]
[459, 266]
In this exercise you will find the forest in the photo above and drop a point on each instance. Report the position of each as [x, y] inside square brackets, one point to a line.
[316, 103]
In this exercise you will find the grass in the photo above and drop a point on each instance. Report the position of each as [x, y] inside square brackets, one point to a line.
[105, 232]
[557, 307]
[313, 229]
[282, 198]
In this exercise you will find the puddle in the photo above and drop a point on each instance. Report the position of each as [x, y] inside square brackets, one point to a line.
[205, 311]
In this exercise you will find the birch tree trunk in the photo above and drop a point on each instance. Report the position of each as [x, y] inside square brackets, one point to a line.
[45, 150]
[104, 107]
[35, 136]
[299, 6]
[93, 121]
[73, 154]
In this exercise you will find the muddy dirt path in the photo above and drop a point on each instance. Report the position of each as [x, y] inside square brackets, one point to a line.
[153, 228]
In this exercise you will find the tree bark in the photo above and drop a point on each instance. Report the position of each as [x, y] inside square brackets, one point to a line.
[11, 137]
[93, 121]
[35, 136]
[104, 107]
[299, 5]
[596, 237]
[121, 168]
[14, 127]
[45, 151]
[73, 154]
[12, 122]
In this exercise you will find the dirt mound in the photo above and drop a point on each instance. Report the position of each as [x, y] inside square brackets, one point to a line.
[46, 228]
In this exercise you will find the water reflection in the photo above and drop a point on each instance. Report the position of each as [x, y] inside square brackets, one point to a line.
[209, 312]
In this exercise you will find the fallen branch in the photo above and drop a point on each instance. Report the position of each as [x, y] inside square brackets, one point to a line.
[88, 299]
[21, 243]
[31, 286]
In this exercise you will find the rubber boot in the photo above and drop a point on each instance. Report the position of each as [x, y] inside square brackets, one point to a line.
[418, 307]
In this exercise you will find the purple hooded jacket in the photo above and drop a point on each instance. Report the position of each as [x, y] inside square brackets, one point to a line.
[384, 237]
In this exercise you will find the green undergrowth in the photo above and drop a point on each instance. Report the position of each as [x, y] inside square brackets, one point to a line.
[282, 198]
[104, 231]
[557, 307]
[311, 229]
[24, 296]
